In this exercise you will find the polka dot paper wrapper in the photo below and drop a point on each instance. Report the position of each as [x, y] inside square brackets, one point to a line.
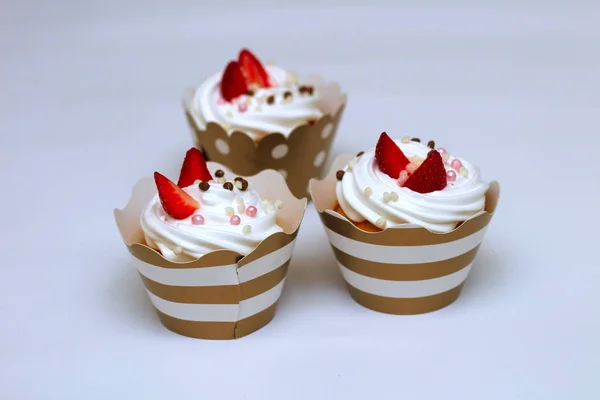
[299, 157]
[221, 295]
[406, 269]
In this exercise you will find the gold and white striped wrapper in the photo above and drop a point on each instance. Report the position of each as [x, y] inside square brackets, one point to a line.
[221, 295]
[403, 270]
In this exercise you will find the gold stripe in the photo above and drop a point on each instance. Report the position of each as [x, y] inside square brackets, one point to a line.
[224, 294]
[218, 330]
[403, 237]
[255, 322]
[405, 306]
[405, 272]
[263, 283]
[213, 259]
[269, 245]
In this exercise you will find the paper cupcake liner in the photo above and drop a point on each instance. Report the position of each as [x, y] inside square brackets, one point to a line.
[299, 157]
[404, 270]
[221, 295]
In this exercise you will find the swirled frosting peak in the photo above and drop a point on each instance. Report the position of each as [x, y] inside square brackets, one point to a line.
[257, 100]
[424, 186]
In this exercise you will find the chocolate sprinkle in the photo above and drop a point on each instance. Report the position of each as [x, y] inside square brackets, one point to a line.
[244, 184]
[310, 90]
[271, 99]
[219, 173]
[204, 186]
[416, 139]
[431, 144]
[250, 92]
[339, 175]
[360, 153]
[287, 94]
[228, 185]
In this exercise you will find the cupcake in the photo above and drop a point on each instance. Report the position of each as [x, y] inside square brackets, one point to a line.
[252, 117]
[405, 221]
[213, 249]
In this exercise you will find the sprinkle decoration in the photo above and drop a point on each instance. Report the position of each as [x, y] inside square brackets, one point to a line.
[278, 204]
[235, 220]
[380, 223]
[228, 186]
[394, 196]
[241, 208]
[247, 229]
[386, 197]
[204, 186]
[251, 211]
[198, 219]
[339, 175]
[368, 191]
[456, 164]
[242, 107]
[451, 175]
[405, 140]
[219, 173]
[229, 211]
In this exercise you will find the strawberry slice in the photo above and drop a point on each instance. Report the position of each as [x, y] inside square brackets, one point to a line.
[390, 159]
[233, 83]
[193, 168]
[430, 176]
[253, 69]
[177, 203]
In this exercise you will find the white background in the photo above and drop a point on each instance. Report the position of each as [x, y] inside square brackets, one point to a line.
[90, 102]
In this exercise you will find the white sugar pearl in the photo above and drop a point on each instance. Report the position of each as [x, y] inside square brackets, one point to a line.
[386, 197]
[368, 191]
[239, 200]
[241, 208]
[229, 211]
[394, 196]
[405, 140]
[247, 229]
[278, 204]
[380, 222]
[177, 250]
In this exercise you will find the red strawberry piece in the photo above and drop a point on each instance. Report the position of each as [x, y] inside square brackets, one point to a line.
[430, 176]
[193, 168]
[177, 203]
[233, 83]
[253, 69]
[390, 159]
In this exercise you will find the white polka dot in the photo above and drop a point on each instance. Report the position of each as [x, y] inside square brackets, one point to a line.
[283, 172]
[320, 158]
[327, 130]
[222, 146]
[279, 151]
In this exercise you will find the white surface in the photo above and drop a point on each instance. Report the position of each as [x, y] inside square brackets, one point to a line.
[91, 102]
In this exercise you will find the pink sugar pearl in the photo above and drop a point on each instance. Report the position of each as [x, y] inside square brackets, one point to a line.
[198, 219]
[456, 164]
[251, 211]
[451, 175]
[442, 151]
[242, 107]
[235, 220]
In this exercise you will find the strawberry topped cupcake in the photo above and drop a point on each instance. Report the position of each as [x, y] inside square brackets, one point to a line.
[405, 221]
[212, 250]
[252, 116]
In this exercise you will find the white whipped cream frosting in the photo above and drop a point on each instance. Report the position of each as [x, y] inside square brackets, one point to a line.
[181, 240]
[258, 118]
[439, 211]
